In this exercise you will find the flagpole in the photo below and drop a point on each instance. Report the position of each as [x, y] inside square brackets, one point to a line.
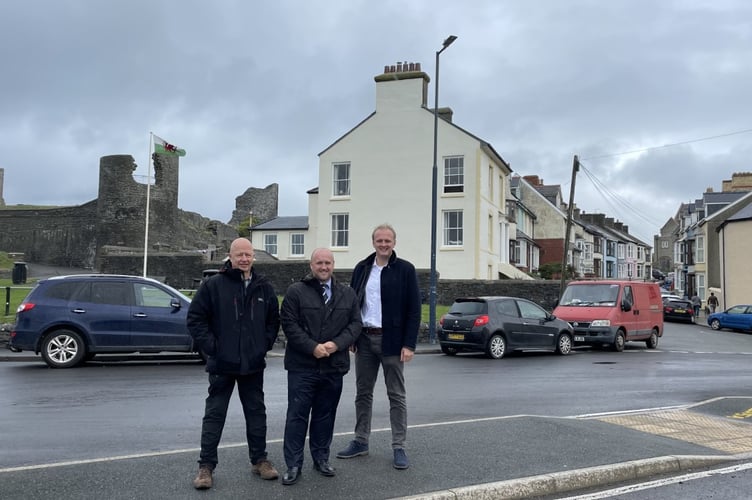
[148, 192]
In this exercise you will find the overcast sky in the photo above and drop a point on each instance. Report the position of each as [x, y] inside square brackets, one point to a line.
[255, 90]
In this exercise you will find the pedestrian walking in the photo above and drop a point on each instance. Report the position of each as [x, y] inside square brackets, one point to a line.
[696, 303]
[712, 302]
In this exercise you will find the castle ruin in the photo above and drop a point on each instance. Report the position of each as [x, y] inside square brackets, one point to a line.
[84, 236]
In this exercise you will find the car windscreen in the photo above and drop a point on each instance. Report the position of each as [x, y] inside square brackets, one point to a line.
[469, 307]
[590, 294]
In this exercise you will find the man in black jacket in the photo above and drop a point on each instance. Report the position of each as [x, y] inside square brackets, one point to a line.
[321, 320]
[387, 289]
[234, 319]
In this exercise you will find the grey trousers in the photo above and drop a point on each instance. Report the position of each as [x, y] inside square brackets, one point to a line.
[368, 360]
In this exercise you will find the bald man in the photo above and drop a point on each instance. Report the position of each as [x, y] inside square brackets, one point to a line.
[321, 320]
[234, 319]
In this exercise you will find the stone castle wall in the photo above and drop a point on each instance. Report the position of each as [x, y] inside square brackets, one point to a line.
[56, 236]
[75, 236]
[185, 272]
[262, 202]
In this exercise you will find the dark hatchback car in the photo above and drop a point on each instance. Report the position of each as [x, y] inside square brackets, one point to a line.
[678, 310]
[70, 319]
[497, 325]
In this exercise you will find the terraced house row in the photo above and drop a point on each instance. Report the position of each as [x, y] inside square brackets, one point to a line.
[705, 246]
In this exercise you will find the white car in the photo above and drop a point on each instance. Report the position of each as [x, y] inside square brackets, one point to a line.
[669, 296]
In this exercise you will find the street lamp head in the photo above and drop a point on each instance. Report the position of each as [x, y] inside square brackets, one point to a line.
[450, 39]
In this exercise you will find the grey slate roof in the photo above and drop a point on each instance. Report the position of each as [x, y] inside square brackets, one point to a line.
[284, 223]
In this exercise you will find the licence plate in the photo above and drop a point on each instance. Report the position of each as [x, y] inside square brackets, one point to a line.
[456, 336]
[579, 338]
[680, 311]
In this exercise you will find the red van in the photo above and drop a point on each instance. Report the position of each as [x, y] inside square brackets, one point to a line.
[611, 312]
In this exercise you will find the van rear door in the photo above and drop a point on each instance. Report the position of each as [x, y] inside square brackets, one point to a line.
[631, 319]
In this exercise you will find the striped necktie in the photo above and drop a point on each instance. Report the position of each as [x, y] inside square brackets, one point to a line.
[325, 292]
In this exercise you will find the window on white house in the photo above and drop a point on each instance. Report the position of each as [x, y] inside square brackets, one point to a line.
[454, 174]
[453, 228]
[341, 179]
[490, 233]
[270, 244]
[340, 229]
[297, 244]
[700, 249]
[491, 183]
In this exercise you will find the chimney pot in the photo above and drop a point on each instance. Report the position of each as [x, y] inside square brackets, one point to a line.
[399, 66]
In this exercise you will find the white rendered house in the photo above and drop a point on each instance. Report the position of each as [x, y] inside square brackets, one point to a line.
[380, 171]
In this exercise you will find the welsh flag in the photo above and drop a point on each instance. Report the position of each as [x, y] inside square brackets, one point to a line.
[165, 148]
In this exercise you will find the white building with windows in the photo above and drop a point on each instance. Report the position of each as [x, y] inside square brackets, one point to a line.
[380, 171]
[282, 237]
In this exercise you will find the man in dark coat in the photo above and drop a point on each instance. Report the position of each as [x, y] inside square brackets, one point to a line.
[321, 320]
[234, 319]
[387, 289]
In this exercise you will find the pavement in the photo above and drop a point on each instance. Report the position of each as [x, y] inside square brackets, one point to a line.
[569, 456]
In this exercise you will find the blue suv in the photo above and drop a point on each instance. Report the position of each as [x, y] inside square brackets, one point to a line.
[70, 319]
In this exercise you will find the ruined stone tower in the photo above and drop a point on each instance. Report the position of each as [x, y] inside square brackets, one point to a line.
[121, 206]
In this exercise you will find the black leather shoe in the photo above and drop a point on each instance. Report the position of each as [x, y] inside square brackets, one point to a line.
[324, 468]
[291, 476]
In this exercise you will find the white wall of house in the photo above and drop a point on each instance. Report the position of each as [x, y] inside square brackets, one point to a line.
[390, 157]
[734, 242]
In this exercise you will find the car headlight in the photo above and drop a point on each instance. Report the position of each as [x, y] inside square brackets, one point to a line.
[601, 322]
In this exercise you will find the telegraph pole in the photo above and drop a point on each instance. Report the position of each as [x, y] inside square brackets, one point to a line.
[575, 169]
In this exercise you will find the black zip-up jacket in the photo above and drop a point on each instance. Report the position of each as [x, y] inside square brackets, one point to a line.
[234, 326]
[308, 321]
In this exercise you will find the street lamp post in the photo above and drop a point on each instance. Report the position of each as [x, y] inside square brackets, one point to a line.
[434, 201]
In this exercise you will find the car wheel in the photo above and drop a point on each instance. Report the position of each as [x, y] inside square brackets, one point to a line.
[449, 351]
[715, 324]
[564, 344]
[652, 342]
[63, 349]
[496, 346]
[619, 342]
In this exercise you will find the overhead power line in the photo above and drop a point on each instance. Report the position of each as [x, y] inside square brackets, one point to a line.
[613, 199]
[653, 148]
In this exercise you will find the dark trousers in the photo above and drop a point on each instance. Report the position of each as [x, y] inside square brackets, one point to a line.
[315, 396]
[251, 392]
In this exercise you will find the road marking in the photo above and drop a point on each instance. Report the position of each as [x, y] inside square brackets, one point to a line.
[658, 483]
[743, 414]
[603, 416]
[171, 452]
